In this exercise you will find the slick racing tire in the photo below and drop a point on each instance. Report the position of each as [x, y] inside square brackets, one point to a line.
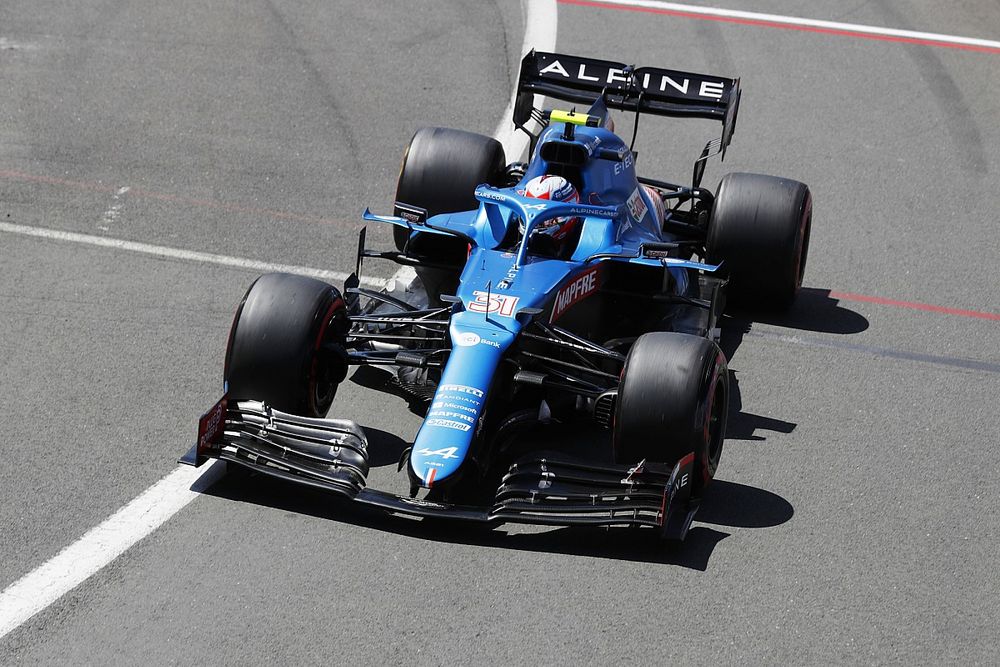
[286, 344]
[759, 231]
[439, 172]
[673, 400]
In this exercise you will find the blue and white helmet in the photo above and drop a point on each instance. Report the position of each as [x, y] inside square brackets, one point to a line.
[553, 188]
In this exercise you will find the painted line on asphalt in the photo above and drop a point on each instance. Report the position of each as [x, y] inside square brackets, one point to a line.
[181, 254]
[885, 352]
[103, 543]
[541, 20]
[140, 193]
[796, 23]
[946, 310]
[88, 555]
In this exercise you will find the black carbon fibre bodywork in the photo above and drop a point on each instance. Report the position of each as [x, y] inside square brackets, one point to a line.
[332, 454]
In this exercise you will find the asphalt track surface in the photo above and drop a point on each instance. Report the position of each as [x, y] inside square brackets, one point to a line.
[855, 516]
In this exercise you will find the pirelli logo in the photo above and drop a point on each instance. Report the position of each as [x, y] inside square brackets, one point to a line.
[582, 286]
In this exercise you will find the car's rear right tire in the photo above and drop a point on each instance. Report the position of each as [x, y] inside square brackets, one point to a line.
[759, 232]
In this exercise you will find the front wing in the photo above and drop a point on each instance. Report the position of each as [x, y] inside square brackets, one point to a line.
[332, 454]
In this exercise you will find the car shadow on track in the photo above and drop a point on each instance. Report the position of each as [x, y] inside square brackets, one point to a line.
[813, 310]
[384, 448]
[727, 504]
[378, 379]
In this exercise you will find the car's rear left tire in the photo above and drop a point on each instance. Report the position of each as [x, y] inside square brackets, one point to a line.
[673, 400]
[286, 344]
[440, 170]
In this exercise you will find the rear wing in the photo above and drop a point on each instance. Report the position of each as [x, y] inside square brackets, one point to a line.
[662, 92]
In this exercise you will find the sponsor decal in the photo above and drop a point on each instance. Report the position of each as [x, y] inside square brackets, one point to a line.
[597, 73]
[211, 425]
[509, 278]
[579, 210]
[413, 214]
[486, 302]
[462, 389]
[457, 397]
[452, 415]
[657, 81]
[495, 196]
[419, 502]
[636, 206]
[663, 83]
[446, 453]
[627, 161]
[680, 476]
[447, 423]
[454, 406]
[467, 339]
[582, 286]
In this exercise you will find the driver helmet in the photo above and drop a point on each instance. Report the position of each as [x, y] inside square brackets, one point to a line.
[553, 188]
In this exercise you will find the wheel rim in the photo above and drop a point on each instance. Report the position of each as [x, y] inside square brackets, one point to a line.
[803, 249]
[716, 426]
[322, 389]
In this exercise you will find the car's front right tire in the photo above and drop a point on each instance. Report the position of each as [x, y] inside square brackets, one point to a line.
[673, 400]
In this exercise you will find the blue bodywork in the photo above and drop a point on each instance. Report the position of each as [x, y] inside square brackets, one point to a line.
[501, 289]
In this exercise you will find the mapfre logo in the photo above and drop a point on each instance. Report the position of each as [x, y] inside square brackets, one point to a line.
[580, 288]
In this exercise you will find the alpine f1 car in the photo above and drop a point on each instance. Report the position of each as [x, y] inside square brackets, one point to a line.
[560, 290]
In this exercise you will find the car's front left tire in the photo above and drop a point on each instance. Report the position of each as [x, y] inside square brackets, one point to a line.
[286, 344]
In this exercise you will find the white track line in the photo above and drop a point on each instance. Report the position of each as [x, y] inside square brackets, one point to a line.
[178, 253]
[812, 23]
[85, 557]
[541, 20]
[102, 544]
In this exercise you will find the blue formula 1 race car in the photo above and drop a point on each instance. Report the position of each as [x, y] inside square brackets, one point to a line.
[542, 295]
